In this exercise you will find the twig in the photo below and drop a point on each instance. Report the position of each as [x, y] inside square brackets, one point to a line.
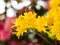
[44, 39]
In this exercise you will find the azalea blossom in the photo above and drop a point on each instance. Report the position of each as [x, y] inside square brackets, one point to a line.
[8, 4]
[6, 28]
[20, 5]
[38, 7]
[42, 3]
[2, 6]
[9, 23]
[4, 34]
[10, 12]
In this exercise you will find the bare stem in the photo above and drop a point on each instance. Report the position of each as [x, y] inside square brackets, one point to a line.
[45, 39]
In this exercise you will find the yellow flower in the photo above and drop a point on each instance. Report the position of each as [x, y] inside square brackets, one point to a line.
[40, 23]
[54, 3]
[58, 36]
[30, 19]
[53, 21]
[20, 26]
[25, 21]
[54, 18]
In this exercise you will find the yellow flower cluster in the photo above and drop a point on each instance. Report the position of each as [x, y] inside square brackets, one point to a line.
[54, 3]
[50, 21]
[54, 15]
[29, 20]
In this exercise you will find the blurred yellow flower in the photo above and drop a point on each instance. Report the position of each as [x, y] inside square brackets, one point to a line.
[23, 22]
[29, 20]
[54, 18]
[58, 36]
[51, 20]
[54, 3]
[40, 23]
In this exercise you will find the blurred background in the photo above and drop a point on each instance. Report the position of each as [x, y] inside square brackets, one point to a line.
[10, 10]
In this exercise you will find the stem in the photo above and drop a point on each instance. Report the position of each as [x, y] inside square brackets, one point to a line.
[45, 39]
[55, 42]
